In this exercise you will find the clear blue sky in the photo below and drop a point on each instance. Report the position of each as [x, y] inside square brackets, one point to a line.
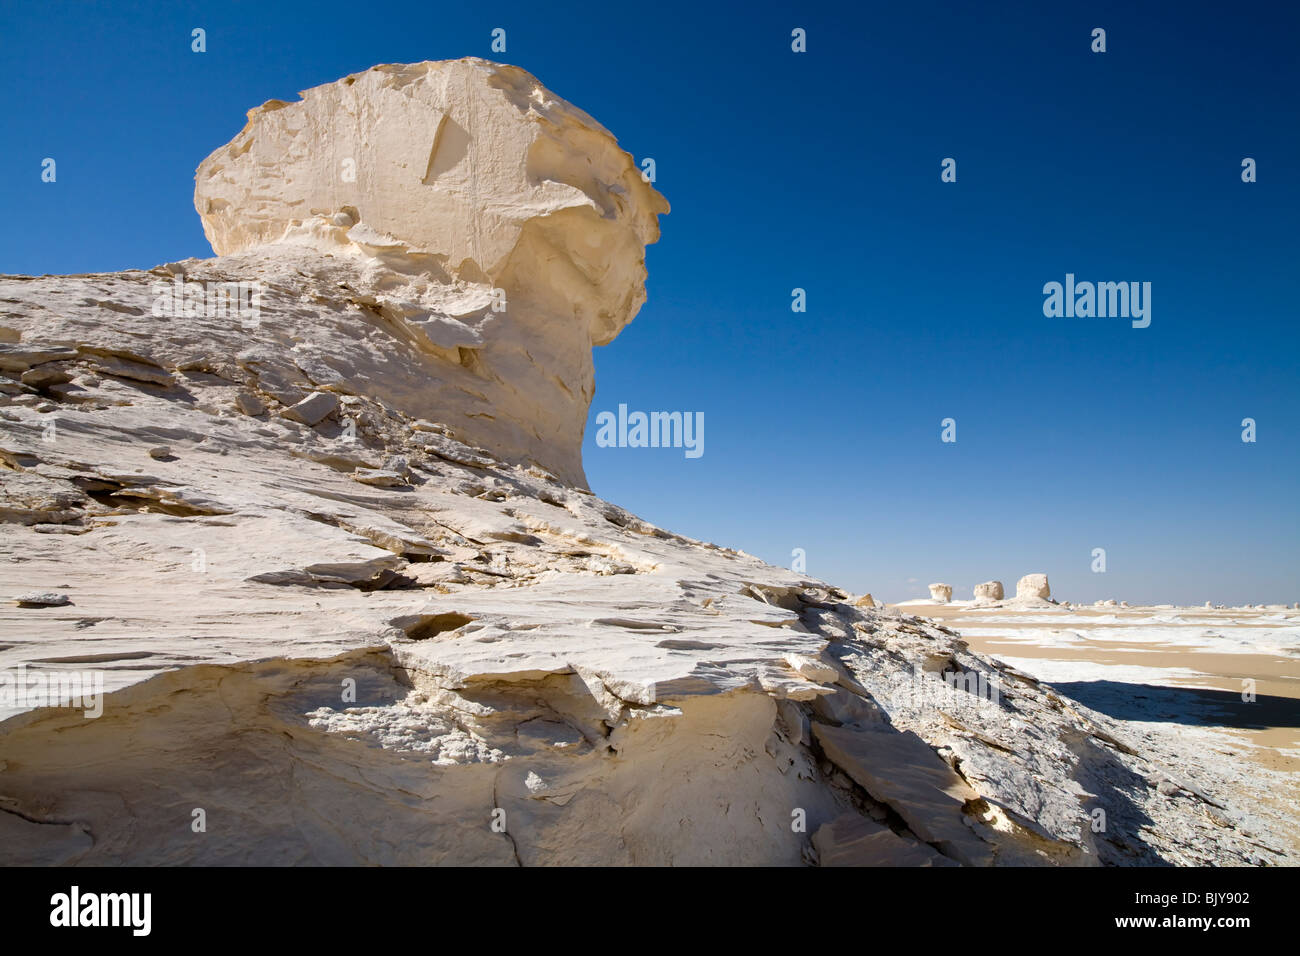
[821, 171]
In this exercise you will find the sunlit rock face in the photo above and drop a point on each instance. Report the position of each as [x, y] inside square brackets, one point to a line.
[332, 573]
[498, 228]
[1033, 587]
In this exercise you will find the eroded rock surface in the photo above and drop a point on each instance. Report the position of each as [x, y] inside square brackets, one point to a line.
[942, 593]
[497, 230]
[1033, 587]
[364, 609]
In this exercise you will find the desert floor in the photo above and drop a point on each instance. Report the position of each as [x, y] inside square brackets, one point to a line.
[1175, 676]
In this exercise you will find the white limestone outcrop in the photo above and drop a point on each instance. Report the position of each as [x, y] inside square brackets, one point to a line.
[496, 231]
[365, 606]
[1033, 586]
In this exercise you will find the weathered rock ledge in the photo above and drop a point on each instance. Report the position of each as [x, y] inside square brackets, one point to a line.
[361, 607]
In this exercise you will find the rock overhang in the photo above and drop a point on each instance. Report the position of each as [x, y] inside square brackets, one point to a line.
[491, 223]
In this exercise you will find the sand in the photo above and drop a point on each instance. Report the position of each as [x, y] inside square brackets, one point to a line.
[1176, 674]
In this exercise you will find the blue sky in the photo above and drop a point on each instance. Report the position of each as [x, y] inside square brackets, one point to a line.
[821, 171]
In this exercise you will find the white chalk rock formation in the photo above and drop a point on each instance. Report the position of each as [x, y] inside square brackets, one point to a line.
[496, 230]
[365, 600]
[941, 593]
[1033, 586]
[989, 591]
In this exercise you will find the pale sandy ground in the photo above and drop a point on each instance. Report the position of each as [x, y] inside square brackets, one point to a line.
[1172, 674]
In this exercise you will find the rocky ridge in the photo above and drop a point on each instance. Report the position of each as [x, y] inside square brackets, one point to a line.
[353, 620]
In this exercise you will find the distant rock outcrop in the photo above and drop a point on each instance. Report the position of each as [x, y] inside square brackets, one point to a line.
[989, 591]
[1033, 586]
[942, 593]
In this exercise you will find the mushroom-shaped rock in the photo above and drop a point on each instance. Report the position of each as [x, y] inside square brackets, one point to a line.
[496, 232]
[941, 593]
[1033, 586]
[989, 591]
